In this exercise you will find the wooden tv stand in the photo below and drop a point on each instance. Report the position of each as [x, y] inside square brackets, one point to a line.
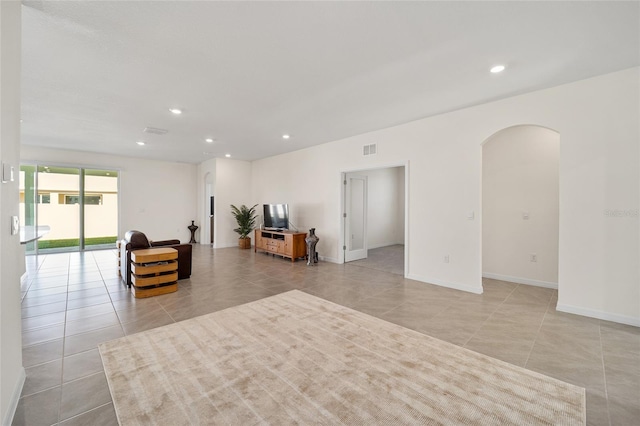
[282, 243]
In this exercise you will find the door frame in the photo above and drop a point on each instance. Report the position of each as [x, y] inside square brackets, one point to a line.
[341, 204]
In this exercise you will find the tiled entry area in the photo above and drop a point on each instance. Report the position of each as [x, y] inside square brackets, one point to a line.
[74, 301]
[67, 310]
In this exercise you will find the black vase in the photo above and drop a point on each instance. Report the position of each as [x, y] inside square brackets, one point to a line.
[193, 229]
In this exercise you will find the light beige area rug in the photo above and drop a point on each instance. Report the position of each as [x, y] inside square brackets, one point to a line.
[298, 359]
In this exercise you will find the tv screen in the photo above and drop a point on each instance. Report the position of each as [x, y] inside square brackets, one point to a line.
[276, 216]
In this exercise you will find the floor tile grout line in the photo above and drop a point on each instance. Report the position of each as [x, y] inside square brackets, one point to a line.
[53, 360]
[489, 317]
[85, 412]
[64, 339]
[40, 391]
[167, 312]
[71, 382]
[64, 344]
[124, 333]
[443, 310]
[535, 339]
[604, 373]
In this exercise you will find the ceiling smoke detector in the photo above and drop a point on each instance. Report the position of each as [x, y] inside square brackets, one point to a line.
[155, 130]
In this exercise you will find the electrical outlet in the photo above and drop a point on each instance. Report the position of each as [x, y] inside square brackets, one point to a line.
[446, 258]
[533, 257]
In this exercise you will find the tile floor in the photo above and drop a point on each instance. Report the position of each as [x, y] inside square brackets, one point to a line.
[387, 259]
[72, 302]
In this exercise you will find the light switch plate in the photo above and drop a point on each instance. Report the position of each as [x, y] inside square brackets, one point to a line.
[15, 225]
[7, 173]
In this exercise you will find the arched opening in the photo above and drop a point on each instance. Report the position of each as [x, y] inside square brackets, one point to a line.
[520, 206]
[207, 234]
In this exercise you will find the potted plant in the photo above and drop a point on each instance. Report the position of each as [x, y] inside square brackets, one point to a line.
[246, 219]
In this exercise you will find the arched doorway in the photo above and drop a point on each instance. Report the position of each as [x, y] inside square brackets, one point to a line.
[520, 205]
[207, 234]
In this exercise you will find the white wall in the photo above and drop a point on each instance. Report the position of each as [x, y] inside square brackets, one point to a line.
[385, 213]
[520, 178]
[400, 192]
[598, 122]
[232, 186]
[156, 197]
[12, 253]
[302, 180]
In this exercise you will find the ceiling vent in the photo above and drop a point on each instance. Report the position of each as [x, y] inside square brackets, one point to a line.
[371, 149]
[155, 130]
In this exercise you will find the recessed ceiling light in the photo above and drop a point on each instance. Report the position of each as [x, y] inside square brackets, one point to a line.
[497, 68]
[140, 143]
[228, 155]
[286, 136]
[21, 120]
[209, 140]
[176, 111]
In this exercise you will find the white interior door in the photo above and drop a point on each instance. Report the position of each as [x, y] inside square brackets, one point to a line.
[355, 225]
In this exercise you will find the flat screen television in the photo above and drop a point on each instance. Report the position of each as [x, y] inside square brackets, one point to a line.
[276, 216]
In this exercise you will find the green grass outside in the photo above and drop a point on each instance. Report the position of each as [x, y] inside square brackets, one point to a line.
[75, 242]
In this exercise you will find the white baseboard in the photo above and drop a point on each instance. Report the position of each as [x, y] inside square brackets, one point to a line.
[456, 286]
[328, 259]
[15, 397]
[622, 319]
[519, 280]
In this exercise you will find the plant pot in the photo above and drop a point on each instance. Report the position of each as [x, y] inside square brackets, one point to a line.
[244, 243]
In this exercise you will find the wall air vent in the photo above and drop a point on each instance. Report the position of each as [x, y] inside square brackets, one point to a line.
[370, 149]
[155, 130]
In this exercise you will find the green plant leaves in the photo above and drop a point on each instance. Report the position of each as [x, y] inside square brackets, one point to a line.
[246, 219]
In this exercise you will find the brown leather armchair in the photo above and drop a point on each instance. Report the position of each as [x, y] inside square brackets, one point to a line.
[136, 240]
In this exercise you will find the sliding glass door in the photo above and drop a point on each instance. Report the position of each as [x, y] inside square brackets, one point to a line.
[58, 207]
[100, 208]
[79, 205]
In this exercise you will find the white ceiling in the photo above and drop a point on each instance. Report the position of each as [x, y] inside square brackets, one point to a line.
[95, 74]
